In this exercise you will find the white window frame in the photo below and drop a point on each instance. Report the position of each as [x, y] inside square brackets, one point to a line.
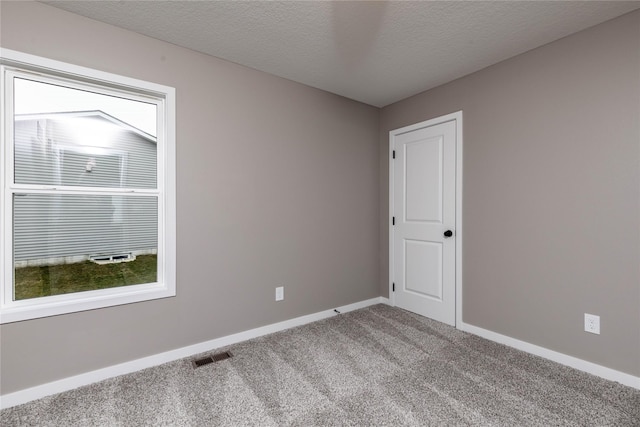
[39, 68]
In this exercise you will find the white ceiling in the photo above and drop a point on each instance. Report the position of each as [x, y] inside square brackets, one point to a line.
[374, 52]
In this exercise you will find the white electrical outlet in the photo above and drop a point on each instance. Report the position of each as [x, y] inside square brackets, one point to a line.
[592, 323]
[279, 293]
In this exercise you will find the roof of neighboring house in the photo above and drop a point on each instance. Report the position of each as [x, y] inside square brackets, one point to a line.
[90, 113]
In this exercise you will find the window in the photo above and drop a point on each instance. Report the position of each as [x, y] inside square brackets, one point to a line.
[87, 189]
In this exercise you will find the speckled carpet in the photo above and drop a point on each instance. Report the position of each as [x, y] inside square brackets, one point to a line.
[378, 366]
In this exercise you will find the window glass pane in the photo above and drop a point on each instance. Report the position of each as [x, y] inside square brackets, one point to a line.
[70, 243]
[72, 137]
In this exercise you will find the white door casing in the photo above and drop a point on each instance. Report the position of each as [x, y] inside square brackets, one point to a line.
[425, 195]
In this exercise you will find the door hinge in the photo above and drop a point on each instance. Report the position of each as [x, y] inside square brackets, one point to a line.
[393, 287]
[394, 154]
[393, 221]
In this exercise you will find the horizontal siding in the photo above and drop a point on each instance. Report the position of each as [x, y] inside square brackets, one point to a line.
[82, 152]
[64, 225]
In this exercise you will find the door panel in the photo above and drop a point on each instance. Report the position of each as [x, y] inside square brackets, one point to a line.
[423, 269]
[423, 173]
[424, 208]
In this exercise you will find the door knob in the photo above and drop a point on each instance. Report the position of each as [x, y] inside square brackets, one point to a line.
[448, 233]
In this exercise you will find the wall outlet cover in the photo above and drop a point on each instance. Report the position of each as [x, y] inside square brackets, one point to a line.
[279, 293]
[592, 323]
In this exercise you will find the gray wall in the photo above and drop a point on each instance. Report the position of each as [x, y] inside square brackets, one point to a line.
[282, 184]
[277, 184]
[551, 194]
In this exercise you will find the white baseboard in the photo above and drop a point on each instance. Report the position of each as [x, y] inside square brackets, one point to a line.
[573, 362]
[37, 392]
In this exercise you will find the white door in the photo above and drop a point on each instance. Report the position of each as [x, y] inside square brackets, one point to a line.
[423, 235]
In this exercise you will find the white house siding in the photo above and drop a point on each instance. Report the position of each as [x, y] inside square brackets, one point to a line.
[56, 228]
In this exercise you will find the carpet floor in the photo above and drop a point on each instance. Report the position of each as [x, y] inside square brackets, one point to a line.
[379, 366]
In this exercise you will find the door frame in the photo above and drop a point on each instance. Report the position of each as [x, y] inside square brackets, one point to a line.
[457, 117]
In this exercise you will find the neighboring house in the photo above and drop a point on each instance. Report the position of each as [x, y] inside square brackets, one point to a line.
[88, 149]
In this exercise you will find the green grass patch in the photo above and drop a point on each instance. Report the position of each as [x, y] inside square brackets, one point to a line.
[36, 282]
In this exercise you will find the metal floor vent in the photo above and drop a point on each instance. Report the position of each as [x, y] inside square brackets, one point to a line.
[218, 357]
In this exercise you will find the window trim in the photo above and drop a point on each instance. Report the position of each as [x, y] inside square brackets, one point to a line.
[41, 69]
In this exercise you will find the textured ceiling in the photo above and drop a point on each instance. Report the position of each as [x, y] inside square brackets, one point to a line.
[374, 52]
